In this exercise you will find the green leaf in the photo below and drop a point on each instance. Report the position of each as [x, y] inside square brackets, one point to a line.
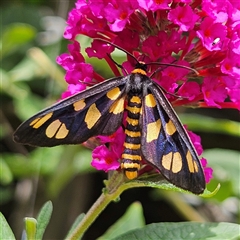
[226, 168]
[60, 163]
[41, 161]
[74, 160]
[6, 195]
[27, 105]
[43, 219]
[157, 181]
[75, 224]
[30, 227]
[5, 232]
[9, 88]
[6, 176]
[132, 219]
[208, 124]
[184, 231]
[15, 35]
[26, 70]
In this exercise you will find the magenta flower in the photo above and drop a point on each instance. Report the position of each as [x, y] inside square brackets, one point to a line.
[207, 170]
[104, 159]
[196, 140]
[75, 65]
[212, 34]
[200, 34]
[184, 17]
[115, 141]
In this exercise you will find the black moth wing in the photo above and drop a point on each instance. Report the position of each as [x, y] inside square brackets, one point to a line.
[169, 148]
[71, 121]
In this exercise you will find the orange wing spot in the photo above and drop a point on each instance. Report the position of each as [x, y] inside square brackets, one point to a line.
[62, 132]
[38, 122]
[172, 162]
[170, 128]
[195, 166]
[150, 101]
[117, 107]
[177, 162]
[92, 116]
[153, 130]
[34, 121]
[114, 93]
[79, 105]
[53, 128]
[192, 166]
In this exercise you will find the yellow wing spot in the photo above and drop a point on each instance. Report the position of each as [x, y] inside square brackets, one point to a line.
[132, 134]
[167, 161]
[62, 132]
[192, 166]
[150, 101]
[133, 122]
[135, 99]
[79, 105]
[172, 162]
[177, 162]
[153, 130]
[134, 109]
[38, 122]
[117, 107]
[34, 121]
[92, 116]
[170, 128]
[114, 93]
[131, 145]
[195, 166]
[131, 157]
[53, 128]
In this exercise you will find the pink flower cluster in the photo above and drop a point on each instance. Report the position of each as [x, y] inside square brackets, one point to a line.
[201, 34]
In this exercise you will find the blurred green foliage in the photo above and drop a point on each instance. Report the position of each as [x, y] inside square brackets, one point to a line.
[31, 80]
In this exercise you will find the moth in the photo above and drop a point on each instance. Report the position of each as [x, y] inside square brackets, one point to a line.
[153, 130]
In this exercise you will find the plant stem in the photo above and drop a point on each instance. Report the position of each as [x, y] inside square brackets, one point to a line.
[114, 187]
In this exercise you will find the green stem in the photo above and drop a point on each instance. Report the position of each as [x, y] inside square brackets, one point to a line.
[90, 217]
[114, 187]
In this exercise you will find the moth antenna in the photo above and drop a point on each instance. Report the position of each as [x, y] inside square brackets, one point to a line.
[171, 64]
[119, 65]
[116, 46]
[147, 64]
[87, 83]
